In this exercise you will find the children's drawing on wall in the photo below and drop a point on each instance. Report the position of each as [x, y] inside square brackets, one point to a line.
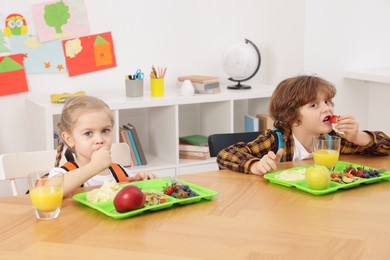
[89, 53]
[45, 57]
[14, 25]
[12, 75]
[60, 19]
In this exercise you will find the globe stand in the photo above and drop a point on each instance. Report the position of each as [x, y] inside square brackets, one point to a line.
[238, 86]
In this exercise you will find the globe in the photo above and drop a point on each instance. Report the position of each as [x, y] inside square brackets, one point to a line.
[241, 62]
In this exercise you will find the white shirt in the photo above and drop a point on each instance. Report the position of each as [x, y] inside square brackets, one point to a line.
[300, 152]
[94, 181]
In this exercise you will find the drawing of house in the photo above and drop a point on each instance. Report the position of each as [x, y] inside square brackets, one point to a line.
[102, 51]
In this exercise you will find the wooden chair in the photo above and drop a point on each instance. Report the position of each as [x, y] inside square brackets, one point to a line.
[15, 166]
[217, 142]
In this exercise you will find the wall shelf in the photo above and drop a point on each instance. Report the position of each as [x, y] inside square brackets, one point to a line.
[379, 75]
[160, 122]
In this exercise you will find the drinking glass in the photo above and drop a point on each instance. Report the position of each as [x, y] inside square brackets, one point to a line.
[326, 150]
[46, 194]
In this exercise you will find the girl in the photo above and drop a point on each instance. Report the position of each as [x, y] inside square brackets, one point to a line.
[86, 126]
[301, 108]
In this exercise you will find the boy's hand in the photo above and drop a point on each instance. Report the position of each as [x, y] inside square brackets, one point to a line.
[267, 164]
[350, 127]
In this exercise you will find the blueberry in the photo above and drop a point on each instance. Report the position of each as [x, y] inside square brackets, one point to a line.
[185, 187]
[192, 194]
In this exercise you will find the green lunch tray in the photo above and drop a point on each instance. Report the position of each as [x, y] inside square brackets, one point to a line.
[108, 207]
[333, 186]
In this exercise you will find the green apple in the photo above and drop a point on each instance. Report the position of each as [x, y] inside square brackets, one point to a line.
[317, 177]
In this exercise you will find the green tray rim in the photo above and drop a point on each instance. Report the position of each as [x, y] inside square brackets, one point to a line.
[334, 186]
[108, 208]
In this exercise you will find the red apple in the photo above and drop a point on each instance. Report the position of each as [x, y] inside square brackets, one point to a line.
[129, 198]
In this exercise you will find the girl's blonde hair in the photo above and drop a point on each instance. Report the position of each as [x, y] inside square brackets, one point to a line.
[293, 93]
[72, 109]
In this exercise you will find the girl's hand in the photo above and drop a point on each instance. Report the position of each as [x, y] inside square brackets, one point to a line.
[140, 176]
[101, 159]
[267, 163]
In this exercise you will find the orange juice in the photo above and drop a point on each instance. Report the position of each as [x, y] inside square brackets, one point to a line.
[46, 198]
[325, 157]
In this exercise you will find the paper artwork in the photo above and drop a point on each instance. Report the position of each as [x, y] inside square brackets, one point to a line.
[89, 53]
[45, 57]
[60, 19]
[12, 76]
[14, 25]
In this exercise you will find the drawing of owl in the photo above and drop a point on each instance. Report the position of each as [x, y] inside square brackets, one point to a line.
[15, 24]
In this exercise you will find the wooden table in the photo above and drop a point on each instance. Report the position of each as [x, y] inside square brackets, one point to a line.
[250, 218]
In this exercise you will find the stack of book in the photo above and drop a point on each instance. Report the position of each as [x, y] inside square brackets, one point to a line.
[194, 147]
[251, 123]
[265, 122]
[128, 134]
[202, 84]
[260, 122]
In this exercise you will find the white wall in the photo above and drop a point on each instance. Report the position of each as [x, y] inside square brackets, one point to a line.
[351, 34]
[187, 36]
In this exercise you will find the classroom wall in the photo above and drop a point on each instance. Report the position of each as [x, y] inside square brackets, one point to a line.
[188, 36]
[349, 34]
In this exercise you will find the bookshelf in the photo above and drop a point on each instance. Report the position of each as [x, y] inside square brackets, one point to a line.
[378, 75]
[160, 122]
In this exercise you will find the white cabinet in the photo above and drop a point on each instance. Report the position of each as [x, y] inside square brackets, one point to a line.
[160, 122]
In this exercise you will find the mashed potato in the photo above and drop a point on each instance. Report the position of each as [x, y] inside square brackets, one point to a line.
[105, 193]
[291, 175]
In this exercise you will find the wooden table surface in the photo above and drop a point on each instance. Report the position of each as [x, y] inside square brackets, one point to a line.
[250, 218]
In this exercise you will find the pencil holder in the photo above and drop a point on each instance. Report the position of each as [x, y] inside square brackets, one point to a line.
[157, 87]
[134, 88]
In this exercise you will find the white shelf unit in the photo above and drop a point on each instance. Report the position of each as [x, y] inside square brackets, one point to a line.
[379, 75]
[160, 122]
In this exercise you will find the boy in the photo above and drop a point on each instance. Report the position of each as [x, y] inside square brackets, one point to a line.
[301, 108]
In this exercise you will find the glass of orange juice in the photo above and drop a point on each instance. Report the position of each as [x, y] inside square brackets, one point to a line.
[326, 150]
[46, 194]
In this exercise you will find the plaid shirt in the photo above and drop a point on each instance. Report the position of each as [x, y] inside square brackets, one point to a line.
[239, 156]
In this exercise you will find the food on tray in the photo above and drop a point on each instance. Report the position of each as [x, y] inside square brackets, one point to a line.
[151, 188]
[106, 192]
[345, 175]
[350, 173]
[291, 175]
[129, 198]
[317, 177]
[154, 197]
[334, 119]
[179, 191]
[371, 173]
[342, 177]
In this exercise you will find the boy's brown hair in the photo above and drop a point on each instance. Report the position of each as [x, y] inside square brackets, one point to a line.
[293, 93]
